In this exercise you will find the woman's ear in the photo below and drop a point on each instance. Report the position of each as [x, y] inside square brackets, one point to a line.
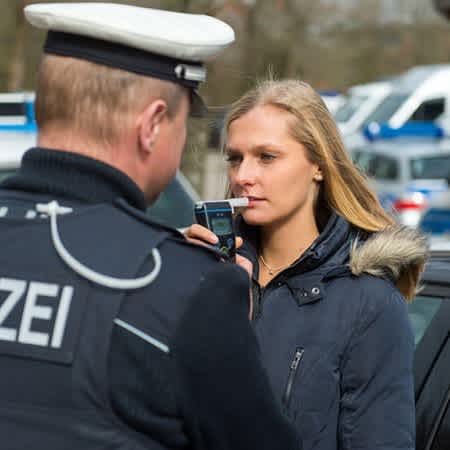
[149, 123]
[318, 176]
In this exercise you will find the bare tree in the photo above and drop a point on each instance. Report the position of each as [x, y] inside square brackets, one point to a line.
[16, 72]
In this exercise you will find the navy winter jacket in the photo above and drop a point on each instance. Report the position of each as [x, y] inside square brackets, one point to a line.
[339, 347]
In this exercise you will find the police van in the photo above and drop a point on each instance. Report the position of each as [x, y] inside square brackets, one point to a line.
[18, 132]
[408, 167]
[421, 94]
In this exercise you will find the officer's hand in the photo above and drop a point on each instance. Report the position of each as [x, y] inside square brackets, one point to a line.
[200, 235]
[197, 234]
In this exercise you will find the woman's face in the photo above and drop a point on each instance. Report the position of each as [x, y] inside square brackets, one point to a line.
[269, 167]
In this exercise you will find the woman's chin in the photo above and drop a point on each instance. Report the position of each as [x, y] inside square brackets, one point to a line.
[254, 218]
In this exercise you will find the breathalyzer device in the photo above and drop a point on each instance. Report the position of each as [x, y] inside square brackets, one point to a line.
[217, 216]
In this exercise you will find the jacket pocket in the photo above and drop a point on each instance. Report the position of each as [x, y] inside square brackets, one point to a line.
[293, 369]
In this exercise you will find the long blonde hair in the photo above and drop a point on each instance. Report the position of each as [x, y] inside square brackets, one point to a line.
[344, 188]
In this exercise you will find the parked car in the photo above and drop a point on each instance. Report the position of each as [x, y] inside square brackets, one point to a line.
[407, 172]
[430, 318]
[18, 132]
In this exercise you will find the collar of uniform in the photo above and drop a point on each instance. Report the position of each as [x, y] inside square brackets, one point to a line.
[66, 174]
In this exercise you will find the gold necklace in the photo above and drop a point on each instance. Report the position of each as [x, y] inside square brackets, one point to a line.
[272, 270]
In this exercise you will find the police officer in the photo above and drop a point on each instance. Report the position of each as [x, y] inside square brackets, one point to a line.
[115, 333]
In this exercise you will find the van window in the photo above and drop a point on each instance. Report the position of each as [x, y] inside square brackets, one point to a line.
[384, 168]
[363, 160]
[13, 113]
[384, 111]
[346, 111]
[430, 167]
[429, 111]
[377, 166]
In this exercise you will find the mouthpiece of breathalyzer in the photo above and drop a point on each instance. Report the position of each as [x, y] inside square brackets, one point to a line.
[241, 202]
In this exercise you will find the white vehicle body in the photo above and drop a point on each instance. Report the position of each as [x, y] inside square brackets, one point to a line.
[333, 101]
[361, 101]
[18, 130]
[421, 94]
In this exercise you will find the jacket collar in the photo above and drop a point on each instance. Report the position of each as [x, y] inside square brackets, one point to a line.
[65, 174]
[330, 249]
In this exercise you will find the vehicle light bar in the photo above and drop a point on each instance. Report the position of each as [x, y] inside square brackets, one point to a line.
[375, 131]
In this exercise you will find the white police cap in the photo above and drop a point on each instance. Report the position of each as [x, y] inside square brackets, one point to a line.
[161, 44]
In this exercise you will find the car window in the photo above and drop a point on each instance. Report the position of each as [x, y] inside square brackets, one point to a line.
[174, 207]
[430, 167]
[346, 111]
[384, 168]
[428, 111]
[378, 166]
[386, 108]
[421, 312]
[6, 173]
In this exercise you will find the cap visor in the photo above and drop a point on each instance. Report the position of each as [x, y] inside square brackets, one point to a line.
[198, 106]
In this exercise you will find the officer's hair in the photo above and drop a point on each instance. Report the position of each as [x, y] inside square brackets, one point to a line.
[344, 188]
[95, 100]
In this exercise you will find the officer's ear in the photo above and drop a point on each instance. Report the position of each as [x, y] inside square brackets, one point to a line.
[148, 124]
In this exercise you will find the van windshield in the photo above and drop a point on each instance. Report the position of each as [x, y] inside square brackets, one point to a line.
[384, 111]
[346, 111]
[430, 167]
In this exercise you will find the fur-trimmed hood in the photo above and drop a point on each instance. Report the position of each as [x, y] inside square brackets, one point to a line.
[398, 253]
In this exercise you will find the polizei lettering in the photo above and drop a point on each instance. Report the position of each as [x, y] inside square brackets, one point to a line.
[34, 313]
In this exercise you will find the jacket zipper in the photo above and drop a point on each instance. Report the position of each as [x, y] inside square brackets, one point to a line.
[292, 372]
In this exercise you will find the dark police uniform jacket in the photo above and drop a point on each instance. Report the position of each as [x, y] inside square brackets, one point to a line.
[171, 365]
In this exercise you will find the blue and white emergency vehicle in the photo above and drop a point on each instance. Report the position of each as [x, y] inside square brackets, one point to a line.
[408, 167]
[18, 130]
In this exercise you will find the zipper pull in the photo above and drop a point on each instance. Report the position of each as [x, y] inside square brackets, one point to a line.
[297, 358]
[291, 376]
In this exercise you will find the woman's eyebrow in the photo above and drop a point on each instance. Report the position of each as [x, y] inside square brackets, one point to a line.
[231, 150]
[257, 148]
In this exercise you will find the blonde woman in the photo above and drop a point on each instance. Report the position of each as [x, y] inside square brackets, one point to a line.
[331, 273]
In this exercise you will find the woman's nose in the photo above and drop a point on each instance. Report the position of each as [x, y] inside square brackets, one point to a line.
[245, 173]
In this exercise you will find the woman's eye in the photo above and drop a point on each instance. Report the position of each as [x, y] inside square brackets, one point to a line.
[267, 157]
[232, 159]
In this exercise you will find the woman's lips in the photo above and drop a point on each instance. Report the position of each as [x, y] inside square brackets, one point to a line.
[253, 201]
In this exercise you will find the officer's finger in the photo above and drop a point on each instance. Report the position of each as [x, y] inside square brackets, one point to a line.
[239, 241]
[196, 233]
